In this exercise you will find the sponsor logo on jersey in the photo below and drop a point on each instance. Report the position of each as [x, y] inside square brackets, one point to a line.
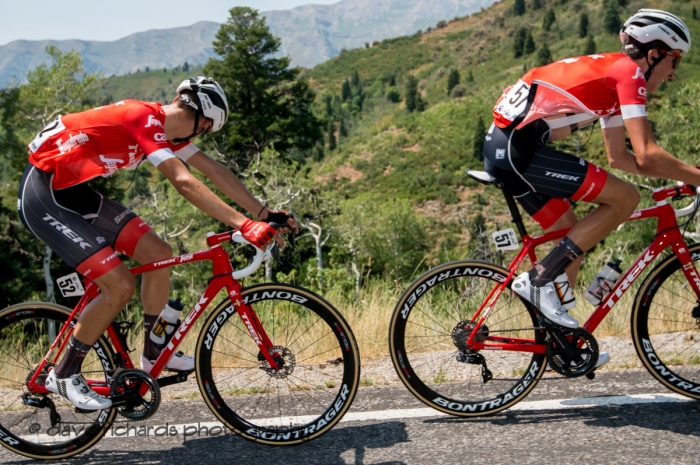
[500, 154]
[72, 142]
[66, 231]
[159, 137]
[110, 164]
[152, 121]
[638, 74]
[642, 91]
[565, 177]
[121, 216]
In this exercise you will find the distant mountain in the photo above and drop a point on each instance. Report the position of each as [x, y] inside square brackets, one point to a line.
[311, 34]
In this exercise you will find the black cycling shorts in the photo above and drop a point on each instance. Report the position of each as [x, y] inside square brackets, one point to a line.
[78, 224]
[540, 177]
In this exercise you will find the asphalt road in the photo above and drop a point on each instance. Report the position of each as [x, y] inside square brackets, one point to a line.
[649, 431]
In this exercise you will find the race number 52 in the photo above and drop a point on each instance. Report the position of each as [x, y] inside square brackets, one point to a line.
[70, 285]
[506, 240]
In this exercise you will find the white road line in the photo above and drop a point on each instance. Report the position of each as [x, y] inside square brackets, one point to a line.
[215, 428]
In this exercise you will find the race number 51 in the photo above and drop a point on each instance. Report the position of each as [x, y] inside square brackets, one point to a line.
[506, 240]
[70, 285]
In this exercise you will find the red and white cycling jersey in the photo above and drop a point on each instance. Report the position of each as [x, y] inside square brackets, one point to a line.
[609, 86]
[80, 146]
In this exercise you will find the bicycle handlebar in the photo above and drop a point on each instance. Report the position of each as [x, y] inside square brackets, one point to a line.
[690, 208]
[235, 236]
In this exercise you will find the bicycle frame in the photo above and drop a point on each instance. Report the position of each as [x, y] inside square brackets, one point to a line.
[222, 278]
[667, 235]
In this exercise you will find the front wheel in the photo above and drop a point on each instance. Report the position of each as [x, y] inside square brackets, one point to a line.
[666, 334]
[429, 329]
[316, 382]
[45, 426]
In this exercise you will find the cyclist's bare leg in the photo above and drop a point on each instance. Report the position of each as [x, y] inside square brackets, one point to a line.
[116, 288]
[617, 201]
[155, 286]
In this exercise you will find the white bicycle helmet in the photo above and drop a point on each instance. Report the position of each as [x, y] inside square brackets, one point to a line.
[648, 25]
[210, 100]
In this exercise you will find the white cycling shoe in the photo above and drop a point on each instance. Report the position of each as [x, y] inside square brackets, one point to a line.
[178, 362]
[77, 391]
[546, 299]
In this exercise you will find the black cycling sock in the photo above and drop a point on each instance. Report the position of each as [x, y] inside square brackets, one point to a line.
[150, 351]
[555, 263]
[73, 359]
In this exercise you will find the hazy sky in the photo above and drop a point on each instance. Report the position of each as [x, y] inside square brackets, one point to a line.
[101, 20]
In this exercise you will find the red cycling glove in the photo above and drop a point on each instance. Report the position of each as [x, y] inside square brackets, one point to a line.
[257, 232]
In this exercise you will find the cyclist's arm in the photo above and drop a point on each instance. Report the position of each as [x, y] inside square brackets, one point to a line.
[198, 194]
[226, 182]
[648, 158]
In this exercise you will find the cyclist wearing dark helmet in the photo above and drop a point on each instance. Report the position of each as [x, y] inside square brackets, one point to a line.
[87, 230]
[548, 104]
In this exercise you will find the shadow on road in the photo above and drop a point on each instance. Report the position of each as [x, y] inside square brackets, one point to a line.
[346, 445]
[677, 417]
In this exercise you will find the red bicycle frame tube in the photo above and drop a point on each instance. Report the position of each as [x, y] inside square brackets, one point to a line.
[667, 235]
[223, 278]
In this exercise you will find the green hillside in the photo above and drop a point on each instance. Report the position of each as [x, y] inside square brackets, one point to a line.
[156, 85]
[421, 156]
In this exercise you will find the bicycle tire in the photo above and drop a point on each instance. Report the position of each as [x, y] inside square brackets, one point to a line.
[423, 349]
[310, 398]
[666, 336]
[25, 430]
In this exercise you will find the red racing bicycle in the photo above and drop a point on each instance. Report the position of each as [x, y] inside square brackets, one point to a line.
[275, 363]
[463, 343]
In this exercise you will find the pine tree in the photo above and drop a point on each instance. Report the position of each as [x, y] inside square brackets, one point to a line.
[345, 91]
[589, 47]
[537, 4]
[470, 76]
[478, 141]
[548, 20]
[342, 129]
[695, 13]
[186, 67]
[452, 80]
[328, 100]
[410, 94]
[583, 25]
[611, 18]
[355, 79]
[529, 46]
[331, 137]
[544, 57]
[270, 103]
[519, 8]
[519, 42]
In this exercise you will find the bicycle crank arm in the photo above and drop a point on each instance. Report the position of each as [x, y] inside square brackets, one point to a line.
[174, 379]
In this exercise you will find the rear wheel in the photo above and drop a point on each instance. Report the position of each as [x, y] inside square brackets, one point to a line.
[315, 385]
[428, 333]
[665, 330]
[28, 424]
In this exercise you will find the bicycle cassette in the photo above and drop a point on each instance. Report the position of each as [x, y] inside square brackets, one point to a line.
[571, 352]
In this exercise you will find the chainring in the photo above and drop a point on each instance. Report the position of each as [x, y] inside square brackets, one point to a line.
[126, 394]
[576, 356]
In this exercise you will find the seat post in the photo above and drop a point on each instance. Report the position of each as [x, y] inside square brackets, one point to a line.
[515, 213]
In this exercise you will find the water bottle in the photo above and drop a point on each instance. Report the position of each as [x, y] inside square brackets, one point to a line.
[603, 282]
[167, 323]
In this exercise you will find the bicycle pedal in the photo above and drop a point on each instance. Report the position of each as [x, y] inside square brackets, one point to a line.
[80, 410]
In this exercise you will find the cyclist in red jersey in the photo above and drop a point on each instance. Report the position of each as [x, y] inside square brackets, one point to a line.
[548, 104]
[87, 230]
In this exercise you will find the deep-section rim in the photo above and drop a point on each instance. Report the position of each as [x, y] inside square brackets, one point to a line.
[65, 313]
[535, 374]
[352, 343]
